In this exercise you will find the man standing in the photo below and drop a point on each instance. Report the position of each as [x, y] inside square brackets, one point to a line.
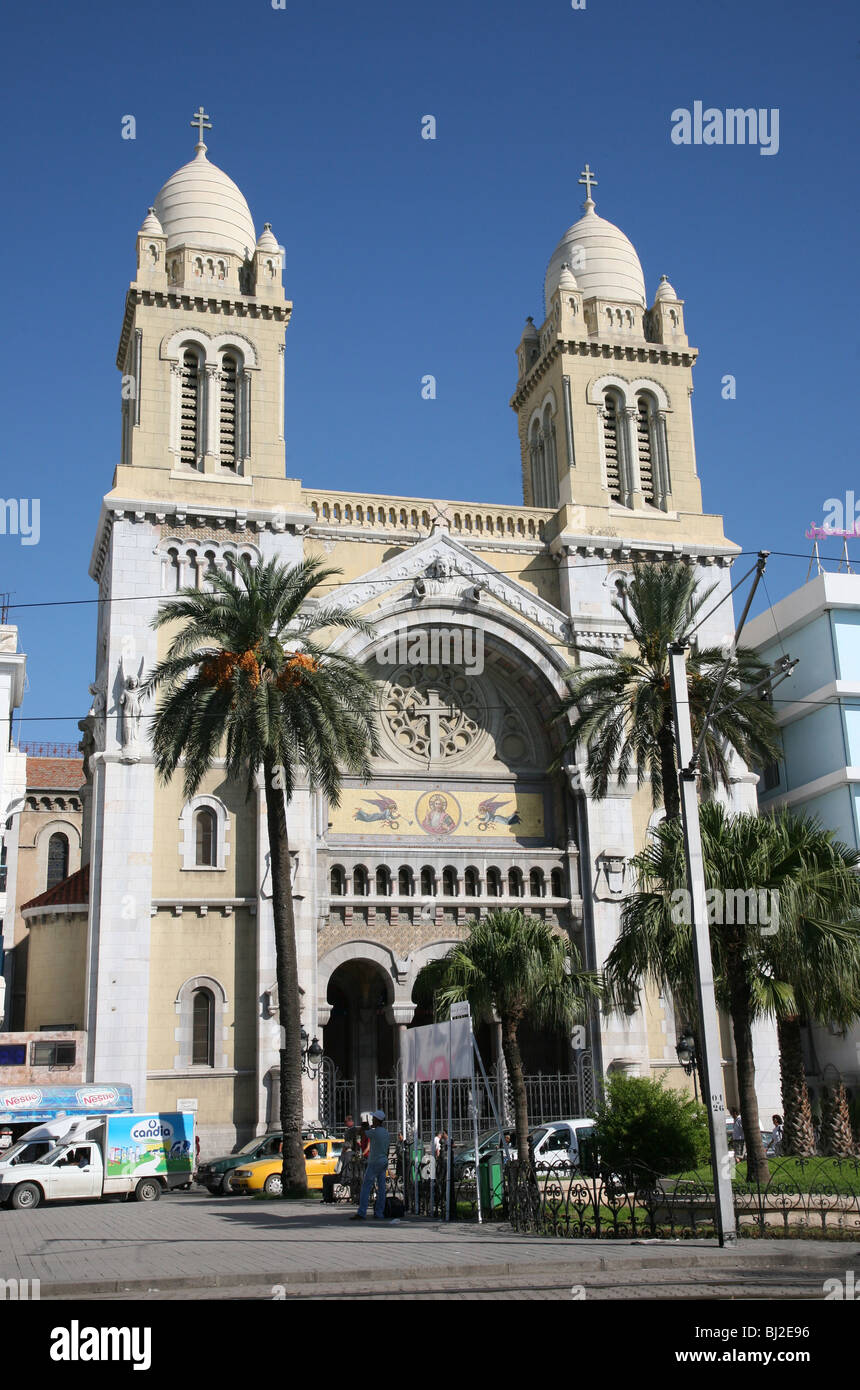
[377, 1165]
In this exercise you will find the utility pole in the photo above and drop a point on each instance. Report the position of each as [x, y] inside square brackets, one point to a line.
[712, 1070]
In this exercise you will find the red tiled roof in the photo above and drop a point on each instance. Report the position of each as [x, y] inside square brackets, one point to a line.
[74, 889]
[53, 773]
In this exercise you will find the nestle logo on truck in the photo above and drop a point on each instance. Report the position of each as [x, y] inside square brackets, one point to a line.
[19, 1100]
[152, 1129]
[94, 1099]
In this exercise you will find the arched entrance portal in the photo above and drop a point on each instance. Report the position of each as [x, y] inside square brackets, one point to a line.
[358, 1037]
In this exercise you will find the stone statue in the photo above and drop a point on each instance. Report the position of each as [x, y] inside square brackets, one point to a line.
[97, 714]
[131, 710]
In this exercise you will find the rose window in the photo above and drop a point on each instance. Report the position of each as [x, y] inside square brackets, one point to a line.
[432, 713]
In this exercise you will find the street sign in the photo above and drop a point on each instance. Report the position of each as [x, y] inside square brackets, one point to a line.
[460, 1010]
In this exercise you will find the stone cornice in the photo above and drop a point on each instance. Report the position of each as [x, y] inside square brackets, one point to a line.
[624, 551]
[242, 306]
[162, 512]
[663, 354]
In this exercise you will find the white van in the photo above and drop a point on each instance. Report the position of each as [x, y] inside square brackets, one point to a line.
[558, 1142]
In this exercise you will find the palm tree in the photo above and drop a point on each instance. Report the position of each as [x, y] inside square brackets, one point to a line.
[514, 967]
[246, 677]
[810, 952]
[622, 706]
[817, 950]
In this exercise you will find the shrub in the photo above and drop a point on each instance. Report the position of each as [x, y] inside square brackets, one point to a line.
[642, 1125]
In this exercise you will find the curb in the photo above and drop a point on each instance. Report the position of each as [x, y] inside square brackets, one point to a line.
[596, 1264]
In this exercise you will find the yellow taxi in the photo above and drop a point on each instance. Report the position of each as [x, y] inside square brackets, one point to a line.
[321, 1157]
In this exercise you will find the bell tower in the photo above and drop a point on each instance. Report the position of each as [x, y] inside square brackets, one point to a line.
[603, 395]
[202, 344]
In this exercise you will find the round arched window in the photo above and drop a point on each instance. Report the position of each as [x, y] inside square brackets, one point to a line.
[58, 859]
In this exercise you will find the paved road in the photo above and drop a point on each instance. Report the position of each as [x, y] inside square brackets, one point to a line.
[194, 1245]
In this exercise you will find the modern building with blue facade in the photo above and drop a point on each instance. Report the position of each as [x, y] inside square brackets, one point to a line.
[818, 711]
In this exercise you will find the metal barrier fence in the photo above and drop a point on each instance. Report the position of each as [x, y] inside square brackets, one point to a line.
[803, 1197]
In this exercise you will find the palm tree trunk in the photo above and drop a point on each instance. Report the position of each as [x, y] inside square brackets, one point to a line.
[798, 1136]
[741, 1011]
[669, 772]
[514, 1063]
[294, 1171]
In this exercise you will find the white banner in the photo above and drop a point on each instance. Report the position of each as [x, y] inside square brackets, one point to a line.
[425, 1051]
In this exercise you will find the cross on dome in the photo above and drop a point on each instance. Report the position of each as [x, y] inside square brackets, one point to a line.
[588, 179]
[202, 121]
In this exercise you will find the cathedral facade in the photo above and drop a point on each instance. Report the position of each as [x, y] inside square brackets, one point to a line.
[478, 610]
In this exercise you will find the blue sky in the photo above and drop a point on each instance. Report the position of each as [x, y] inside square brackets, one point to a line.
[407, 256]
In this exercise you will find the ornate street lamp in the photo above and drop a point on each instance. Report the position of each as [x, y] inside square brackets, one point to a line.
[686, 1050]
[312, 1056]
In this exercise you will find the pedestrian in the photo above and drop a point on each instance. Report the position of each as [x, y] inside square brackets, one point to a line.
[776, 1137]
[738, 1141]
[377, 1167]
[196, 1150]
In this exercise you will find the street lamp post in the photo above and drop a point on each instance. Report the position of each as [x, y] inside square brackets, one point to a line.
[312, 1056]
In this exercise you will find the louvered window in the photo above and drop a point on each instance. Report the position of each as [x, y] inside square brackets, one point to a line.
[645, 439]
[611, 447]
[228, 421]
[190, 449]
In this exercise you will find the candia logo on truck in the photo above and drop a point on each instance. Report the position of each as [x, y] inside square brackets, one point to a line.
[152, 1129]
[94, 1100]
[20, 1099]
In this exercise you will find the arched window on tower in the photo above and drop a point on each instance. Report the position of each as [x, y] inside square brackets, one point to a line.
[383, 882]
[228, 421]
[428, 882]
[550, 464]
[405, 882]
[360, 881]
[651, 446]
[337, 881]
[449, 882]
[494, 883]
[615, 449]
[470, 883]
[191, 410]
[58, 859]
[202, 1029]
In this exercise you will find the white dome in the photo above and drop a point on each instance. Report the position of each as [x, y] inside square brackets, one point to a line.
[201, 206]
[604, 261]
[665, 290]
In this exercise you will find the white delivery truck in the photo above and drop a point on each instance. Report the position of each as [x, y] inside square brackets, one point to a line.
[101, 1156]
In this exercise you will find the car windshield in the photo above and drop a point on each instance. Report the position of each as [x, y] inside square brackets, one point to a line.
[53, 1155]
[537, 1134]
[251, 1146]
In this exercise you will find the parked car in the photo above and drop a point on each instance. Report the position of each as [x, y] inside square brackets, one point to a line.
[216, 1174]
[321, 1157]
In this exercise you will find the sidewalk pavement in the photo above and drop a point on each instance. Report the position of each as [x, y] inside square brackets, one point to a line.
[191, 1240]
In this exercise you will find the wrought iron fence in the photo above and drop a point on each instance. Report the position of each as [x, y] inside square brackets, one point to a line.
[803, 1197]
[336, 1097]
[549, 1096]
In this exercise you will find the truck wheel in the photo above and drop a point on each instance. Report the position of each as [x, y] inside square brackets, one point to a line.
[26, 1196]
[274, 1185]
[147, 1190]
